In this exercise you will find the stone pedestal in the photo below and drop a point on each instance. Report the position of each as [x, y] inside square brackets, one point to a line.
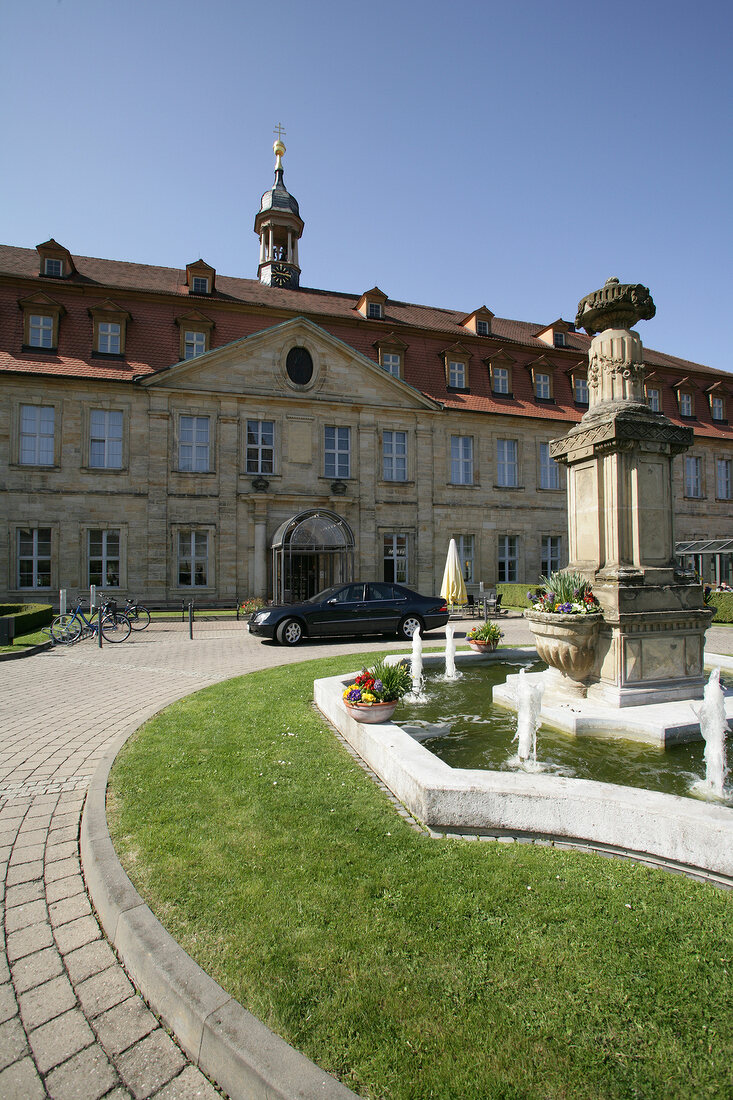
[621, 535]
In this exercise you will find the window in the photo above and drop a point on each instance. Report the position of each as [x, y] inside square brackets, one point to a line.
[500, 380]
[40, 331]
[104, 558]
[394, 456]
[193, 445]
[194, 343]
[34, 557]
[461, 460]
[580, 389]
[260, 446]
[693, 476]
[723, 479]
[464, 546]
[653, 399]
[105, 440]
[558, 339]
[482, 328]
[193, 559]
[686, 405]
[508, 547]
[717, 408]
[337, 452]
[374, 311]
[542, 387]
[550, 556]
[549, 469]
[457, 374]
[109, 336]
[36, 435]
[199, 285]
[395, 558]
[392, 362]
[55, 268]
[506, 463]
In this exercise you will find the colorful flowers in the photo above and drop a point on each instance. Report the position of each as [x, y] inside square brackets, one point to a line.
[381, 684]
[565, 594]
[487, 632]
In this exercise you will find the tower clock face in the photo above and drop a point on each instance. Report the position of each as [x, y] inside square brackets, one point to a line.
[280, 275]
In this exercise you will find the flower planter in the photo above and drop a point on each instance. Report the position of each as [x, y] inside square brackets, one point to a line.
[567, 643]
[372, 712]
[479, 646]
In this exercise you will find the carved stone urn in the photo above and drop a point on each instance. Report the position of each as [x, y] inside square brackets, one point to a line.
[567, 643]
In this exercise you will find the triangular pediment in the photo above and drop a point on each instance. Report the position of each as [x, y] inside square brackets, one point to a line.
[258, 366]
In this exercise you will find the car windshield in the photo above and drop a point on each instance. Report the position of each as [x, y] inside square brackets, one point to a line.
[326, 594]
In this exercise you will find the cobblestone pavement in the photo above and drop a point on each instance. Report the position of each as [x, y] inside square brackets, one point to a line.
[72, 1027]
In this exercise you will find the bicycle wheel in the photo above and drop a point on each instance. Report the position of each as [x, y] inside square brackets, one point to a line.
[115, 628]
[65, 629]
[139, 617]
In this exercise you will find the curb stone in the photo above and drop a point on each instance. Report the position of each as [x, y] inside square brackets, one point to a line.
[230, 1045]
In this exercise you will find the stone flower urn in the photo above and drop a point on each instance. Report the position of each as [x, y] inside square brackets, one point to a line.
[567, 643]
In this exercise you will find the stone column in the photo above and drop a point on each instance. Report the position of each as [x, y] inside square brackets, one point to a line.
[259, 579]
[620, 516]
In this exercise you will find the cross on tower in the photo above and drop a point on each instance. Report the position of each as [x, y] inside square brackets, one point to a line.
[279, 131]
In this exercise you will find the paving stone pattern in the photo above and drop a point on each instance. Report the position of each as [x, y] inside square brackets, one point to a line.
[72, 1026]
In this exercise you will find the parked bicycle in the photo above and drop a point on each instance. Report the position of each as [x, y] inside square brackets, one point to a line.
[69, 628]
[138, 615]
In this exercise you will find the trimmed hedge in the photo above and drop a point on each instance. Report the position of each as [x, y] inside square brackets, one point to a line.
[722, 602]
[515, 595]
[28, 616]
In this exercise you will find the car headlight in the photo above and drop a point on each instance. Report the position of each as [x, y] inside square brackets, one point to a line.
[261, 617]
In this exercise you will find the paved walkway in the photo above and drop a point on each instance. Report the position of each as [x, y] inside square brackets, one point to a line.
[72, 1027]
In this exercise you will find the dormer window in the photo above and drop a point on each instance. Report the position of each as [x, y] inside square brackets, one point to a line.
[654, 398]
[41, 322]
[558, 339]
[200, 278]
[195, 334]
[685, 390]
[109, 331]
[455, 360]
[391, 351]
[478, 322]
[717, 408]
[457, 374]
[687, 405]
[500, 381]
[542, 373]
[500, 374]
[555, 335]
[371, 304]
[542, 387]
[56, 261]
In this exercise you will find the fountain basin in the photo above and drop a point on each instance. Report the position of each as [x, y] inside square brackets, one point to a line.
[658, 828]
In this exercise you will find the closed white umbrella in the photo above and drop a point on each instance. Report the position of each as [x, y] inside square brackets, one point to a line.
[453, 589]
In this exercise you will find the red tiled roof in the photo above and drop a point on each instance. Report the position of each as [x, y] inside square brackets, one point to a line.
[238, 309]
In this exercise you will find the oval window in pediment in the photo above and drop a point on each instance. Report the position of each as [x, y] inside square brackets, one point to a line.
[299, 366]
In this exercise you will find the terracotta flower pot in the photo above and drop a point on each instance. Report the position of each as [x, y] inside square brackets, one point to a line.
[479, 645]
[371, 712]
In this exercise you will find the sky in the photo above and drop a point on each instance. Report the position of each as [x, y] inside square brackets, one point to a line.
[513, 155]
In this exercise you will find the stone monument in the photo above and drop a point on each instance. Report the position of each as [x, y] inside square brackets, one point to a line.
[619, 457]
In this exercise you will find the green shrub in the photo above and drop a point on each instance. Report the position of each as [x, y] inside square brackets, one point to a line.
[722, 603]
[515, 595]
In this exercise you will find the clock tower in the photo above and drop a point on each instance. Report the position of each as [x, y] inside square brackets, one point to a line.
[279, 227]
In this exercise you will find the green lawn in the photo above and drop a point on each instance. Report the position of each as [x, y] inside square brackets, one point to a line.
[37, 637]
[410, 967]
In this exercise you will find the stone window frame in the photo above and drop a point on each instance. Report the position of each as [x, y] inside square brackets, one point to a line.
[31, 525]
[40, 305]
[302, 340]
[392, 534]
[42, 402]
[464, 539]
[546, 467]
[337, 452]
[261, 418]
[719, 460]
[109, 313]
[459, 460]
[699, 478]
[113, 525]
[395, 480]
[210, 530]
[517, 484]
[106, 405]
[546, 559]
[506, 559]
[212, 414]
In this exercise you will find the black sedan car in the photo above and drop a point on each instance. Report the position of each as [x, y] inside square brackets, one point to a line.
[370, 607]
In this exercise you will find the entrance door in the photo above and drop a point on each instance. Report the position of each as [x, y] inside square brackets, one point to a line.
[304, 580]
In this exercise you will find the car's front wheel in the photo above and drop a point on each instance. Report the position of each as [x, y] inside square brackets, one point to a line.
[289, 632]
[409, 625]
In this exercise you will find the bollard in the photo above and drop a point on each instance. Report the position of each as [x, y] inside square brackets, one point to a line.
[183, 611]
[62, 601]
[190, 620]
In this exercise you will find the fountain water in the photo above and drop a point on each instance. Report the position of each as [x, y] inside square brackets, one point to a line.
[529, 706]
[450, 655]
[713, 726]
[417, 694]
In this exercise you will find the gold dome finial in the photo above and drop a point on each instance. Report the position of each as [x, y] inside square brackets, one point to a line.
[278, 146]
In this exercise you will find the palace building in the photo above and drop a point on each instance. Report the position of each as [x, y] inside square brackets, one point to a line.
[179, 433]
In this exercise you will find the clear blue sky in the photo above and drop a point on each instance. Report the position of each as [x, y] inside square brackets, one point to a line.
[458, 154]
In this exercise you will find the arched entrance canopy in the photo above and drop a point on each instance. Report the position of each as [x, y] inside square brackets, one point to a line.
[310, 551]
